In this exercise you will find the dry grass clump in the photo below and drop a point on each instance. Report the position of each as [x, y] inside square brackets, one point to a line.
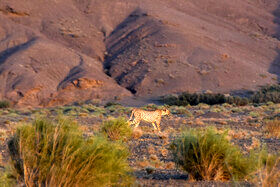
[199, 122]
[240, 134]
[169, 165]
[254, 145]
[209, 155]
[117, 129]
[55, 153]
[268, 173]
[143, 163]
[137, 133]
[272, 127]
[151, 150]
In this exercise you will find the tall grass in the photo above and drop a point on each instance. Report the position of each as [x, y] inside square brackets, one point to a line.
[268, 172]
[207, 155]
[117, 129]
[54, 153]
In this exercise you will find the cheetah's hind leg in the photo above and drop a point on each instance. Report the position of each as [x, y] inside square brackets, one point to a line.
[130, 123]
[136, 125]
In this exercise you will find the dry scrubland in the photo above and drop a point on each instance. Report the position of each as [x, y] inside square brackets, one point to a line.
[53, 52]
[91, 144]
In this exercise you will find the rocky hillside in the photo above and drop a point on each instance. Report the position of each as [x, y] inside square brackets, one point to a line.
[59, 51]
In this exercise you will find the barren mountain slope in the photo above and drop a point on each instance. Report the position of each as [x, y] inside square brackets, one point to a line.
[194, 45]
[60, 51]
[48, 58]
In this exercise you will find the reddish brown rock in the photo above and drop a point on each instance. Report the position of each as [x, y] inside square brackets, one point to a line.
[57, 52]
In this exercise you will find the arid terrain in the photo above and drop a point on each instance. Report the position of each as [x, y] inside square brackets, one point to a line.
[61, 51]
[92, 61]
[245, 125]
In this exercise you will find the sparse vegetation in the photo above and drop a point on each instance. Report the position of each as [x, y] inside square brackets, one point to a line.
[264, 95]
[151, 150]
[117, 129]
[54, 153]
[208, 155]
[5, 104]
[186, 98]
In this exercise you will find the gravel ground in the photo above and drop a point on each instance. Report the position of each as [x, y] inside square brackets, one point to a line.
[150, 158]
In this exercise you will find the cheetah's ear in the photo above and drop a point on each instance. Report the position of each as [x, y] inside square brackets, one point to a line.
[166, 106]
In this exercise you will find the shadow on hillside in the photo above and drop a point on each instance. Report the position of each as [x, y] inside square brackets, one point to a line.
[275, 65]
[133, 17]
[4, 55]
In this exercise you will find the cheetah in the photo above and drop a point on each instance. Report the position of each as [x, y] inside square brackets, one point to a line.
[148, 116]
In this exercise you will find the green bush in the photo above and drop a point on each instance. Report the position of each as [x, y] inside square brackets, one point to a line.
[238, 101]
[186, 98]
[117, 129]
[267, 94]
[4, 104]
[207, 155]
[55, 153]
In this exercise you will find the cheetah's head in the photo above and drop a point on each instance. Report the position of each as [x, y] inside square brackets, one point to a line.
[165, 112]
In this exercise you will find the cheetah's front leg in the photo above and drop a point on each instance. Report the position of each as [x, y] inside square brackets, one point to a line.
[158, 126]
[154, 126]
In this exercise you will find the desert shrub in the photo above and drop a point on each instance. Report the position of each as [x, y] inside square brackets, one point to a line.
[180, 110]
[55, 153]
[267, 94]
[117, 109]
[254, 114]
[272, 127]
[117, 129]
[96, 110]
[4, 104]
[186, 98]
[208, 155]
[111, 104]
[238, 101]
[151, 106]
[212, 99]
[171, 100]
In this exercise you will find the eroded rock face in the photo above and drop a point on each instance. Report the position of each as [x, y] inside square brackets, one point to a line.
[37, 71]
[62, 51]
